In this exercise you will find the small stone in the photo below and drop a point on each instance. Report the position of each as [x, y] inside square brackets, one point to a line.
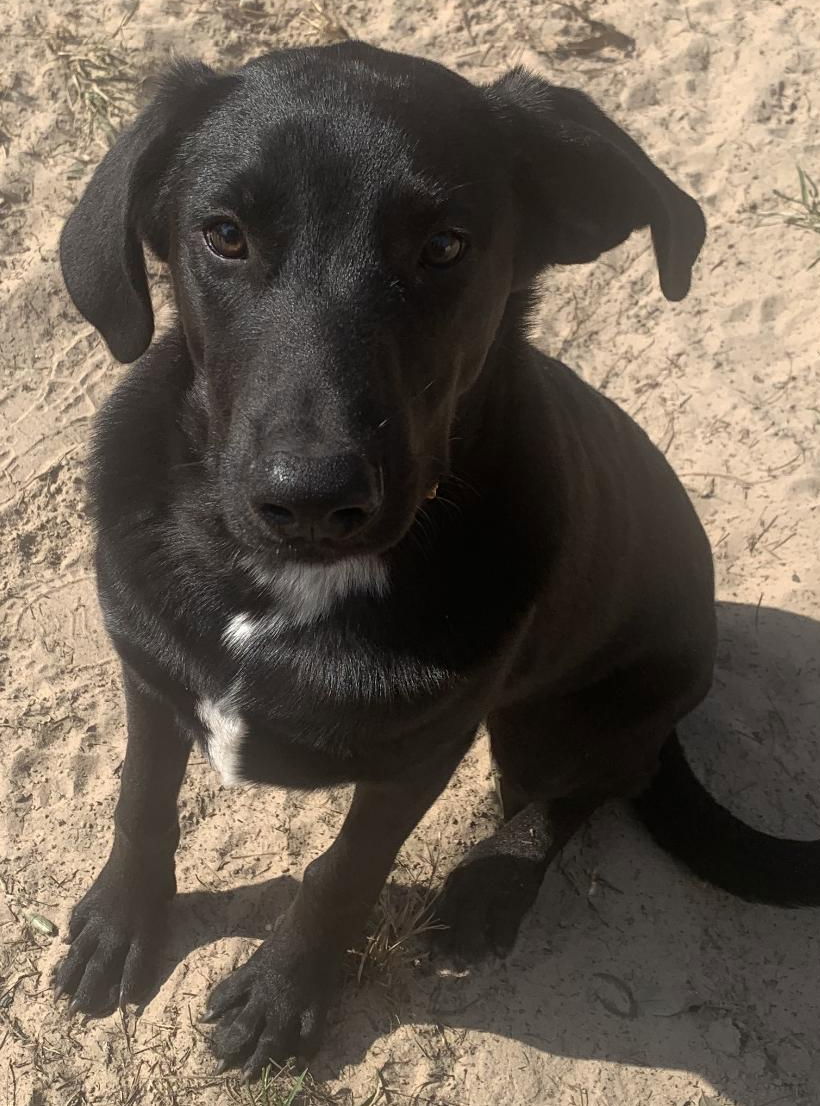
[793, 1060]
[724, 1036]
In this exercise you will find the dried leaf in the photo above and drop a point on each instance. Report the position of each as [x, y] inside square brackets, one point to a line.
[615, 996]
[42, 925]
[667, 1000]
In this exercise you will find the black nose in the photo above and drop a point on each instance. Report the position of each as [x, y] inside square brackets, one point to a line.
[315, 497]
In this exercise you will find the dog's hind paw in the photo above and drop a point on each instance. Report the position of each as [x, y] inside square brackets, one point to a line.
[483, 904]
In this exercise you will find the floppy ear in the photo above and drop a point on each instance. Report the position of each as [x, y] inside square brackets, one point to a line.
[125, 204]
[583, 185]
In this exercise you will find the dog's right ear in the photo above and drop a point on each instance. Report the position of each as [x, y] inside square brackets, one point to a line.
[126, 203]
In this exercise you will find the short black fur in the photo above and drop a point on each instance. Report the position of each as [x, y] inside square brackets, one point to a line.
[346, 512]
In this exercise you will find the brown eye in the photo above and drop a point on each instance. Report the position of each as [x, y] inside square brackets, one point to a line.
[445, 248]
[225, 239]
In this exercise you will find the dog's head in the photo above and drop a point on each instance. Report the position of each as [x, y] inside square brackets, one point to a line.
[344, 229]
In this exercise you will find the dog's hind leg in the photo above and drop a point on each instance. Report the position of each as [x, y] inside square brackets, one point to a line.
[488, 894]
[557, 760]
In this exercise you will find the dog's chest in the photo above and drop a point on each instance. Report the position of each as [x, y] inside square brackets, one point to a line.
[352, 681]
[310, 705]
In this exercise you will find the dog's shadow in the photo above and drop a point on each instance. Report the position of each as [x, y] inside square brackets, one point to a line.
[201, 917]
[626, 957]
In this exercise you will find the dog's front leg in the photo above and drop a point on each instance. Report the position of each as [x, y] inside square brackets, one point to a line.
[273, 1006]
[116, 928]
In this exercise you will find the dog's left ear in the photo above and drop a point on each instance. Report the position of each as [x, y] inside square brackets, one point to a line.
[583, 185]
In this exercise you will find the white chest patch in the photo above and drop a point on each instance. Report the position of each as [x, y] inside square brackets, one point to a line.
[238, 635]
[307, 593]
[226, 730]
[239, 631]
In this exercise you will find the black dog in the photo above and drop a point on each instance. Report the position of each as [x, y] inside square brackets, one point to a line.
[346, 512]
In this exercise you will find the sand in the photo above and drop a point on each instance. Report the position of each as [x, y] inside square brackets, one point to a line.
[632, 984]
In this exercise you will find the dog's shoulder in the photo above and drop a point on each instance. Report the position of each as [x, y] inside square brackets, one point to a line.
[137, 440]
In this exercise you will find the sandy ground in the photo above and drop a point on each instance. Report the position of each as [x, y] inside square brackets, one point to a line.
[632, 984]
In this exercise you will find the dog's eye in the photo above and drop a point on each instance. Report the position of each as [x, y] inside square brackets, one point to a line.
[225, 239]
[445, 248]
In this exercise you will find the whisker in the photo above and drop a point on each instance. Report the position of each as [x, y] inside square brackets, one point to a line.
[416, 535]
[186, 465]
[465, 184]
[426, 530]
[454, 478]
[457, 507]
[426, 388]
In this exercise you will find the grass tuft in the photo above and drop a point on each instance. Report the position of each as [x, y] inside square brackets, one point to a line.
[404, 914]
[284, 1086]
[803, 211]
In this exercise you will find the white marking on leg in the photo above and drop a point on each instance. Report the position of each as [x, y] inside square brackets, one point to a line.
[225, 731]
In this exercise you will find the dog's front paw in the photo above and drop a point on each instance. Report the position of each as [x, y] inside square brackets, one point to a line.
[483, 904]
[114, 934]
[273, 1007]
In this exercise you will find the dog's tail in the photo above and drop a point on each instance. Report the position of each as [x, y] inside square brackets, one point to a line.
[683, 818]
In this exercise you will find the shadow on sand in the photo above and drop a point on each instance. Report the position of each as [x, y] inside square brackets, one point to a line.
[625, 957]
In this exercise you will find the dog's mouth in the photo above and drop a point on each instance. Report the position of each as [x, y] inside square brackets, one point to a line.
[303, 551]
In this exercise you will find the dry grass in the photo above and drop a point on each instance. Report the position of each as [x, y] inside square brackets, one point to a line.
[25, 933]
[284, 1086]
[326, 23]
[263, 23]
[403, 914]
[100, 81]
[251, 17]
[102, 84]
